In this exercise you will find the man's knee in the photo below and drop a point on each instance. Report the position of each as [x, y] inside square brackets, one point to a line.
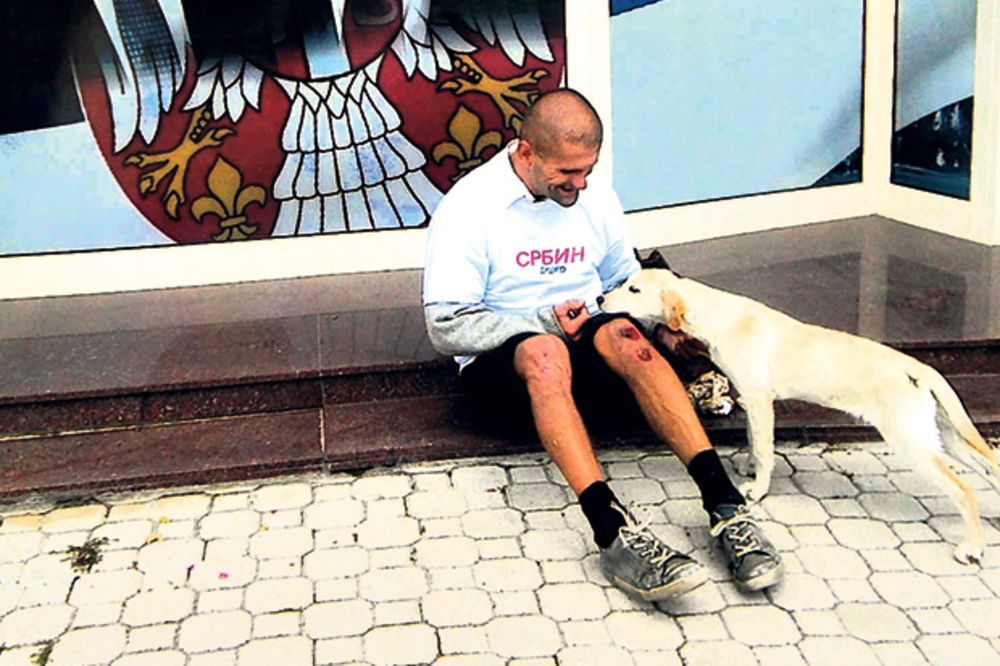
[543, 362]
[622, 340]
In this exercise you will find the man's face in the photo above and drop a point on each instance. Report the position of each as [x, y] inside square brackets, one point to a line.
[561, 174]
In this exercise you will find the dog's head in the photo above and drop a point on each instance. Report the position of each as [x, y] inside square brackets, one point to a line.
[649, 294]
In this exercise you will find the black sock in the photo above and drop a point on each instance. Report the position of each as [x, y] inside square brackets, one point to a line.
[710, 476]
[596, 501]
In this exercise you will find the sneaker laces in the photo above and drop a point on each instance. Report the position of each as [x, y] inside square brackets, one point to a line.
[743, 537]
[739, 531]
[642, 540]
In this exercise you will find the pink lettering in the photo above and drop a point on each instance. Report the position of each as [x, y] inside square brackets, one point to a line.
[550, 256]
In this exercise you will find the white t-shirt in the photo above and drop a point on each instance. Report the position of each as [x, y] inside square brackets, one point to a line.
[490, 242]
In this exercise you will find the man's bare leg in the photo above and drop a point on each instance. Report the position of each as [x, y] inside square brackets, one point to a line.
[660, 394]
[543, 362]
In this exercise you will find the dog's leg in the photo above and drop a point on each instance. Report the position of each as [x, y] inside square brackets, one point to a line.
[760, 434]
[970, 550]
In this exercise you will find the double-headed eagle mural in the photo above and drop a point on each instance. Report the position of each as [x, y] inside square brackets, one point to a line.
[228, 120]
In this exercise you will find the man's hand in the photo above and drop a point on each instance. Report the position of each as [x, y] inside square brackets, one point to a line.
[571, 316]
[680, 344]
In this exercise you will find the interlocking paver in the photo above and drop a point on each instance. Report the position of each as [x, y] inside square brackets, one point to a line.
[533, 496]
[393, 584]
[270, 625]
[459, 551]
[716, 652]
[281, 496]
[978, 616]
[524, 636]
[544, 545]
[584, 632]
[885, 560]
[573, 601]
[214, 631]
[507, 574]
[957, 650]
[491, 561]
[801, 591]
[280, 594]
[34, 625]
[336, 619]
[876, 622]
[388, 532]
[339, 651]
[103, 588]
[832, 562]
[760, 625]
[487, 523]
[610, 655]
[899, 654]
[405, 644]
[93, 645]
[151, 638]
[284, 649]
[819, 623]
[382, 486]
[158, 606]
[226, 524]
[73, 519]
[456, 608]
[19, 546]
[290, 541]
[162, 658]
[795, 509]
[935, 621]
[644, 631]
[834, 651]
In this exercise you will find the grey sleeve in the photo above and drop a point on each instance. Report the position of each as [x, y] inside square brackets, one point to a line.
[467, 329]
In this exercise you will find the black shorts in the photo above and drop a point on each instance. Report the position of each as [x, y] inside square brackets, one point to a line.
[499, 398]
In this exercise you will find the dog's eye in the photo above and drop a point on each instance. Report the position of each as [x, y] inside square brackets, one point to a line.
[634, 289]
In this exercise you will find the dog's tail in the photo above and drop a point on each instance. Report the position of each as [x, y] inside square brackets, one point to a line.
[959, 434]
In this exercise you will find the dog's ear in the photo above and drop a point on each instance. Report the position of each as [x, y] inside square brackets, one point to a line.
[673, 309]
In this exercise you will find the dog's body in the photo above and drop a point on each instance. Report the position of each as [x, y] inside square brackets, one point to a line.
[770, 356]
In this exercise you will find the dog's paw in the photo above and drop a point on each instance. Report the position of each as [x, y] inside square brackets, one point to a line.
[969, 553]
[745, 465]
[754, 491]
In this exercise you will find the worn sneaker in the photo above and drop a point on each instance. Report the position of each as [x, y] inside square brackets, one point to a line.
[639, 563]
[752, 559]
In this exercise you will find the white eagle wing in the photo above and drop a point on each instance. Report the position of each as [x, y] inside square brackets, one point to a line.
[347, 166]
[228, 84]
[426, 45]
[143, 66]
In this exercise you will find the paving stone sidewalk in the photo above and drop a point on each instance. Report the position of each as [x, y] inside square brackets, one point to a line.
[489, 561]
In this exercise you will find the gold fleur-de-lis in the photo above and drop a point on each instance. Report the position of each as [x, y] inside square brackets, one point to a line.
[228, 201]
[469, 141]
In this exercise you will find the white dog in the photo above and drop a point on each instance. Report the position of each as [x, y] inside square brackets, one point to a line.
[770, 356]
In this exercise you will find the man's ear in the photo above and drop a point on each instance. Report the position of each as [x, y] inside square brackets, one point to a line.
[524, 149]
[673, 309]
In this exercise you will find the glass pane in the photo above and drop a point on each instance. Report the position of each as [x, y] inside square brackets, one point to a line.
[935, 53]
[722, 98]
[187, 122]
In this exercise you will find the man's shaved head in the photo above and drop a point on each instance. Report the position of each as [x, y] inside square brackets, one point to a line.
[562, 115]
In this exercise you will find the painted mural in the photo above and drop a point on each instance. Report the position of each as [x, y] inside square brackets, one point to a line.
[180, 121]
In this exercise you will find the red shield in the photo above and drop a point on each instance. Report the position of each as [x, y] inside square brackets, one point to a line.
[226, 191]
